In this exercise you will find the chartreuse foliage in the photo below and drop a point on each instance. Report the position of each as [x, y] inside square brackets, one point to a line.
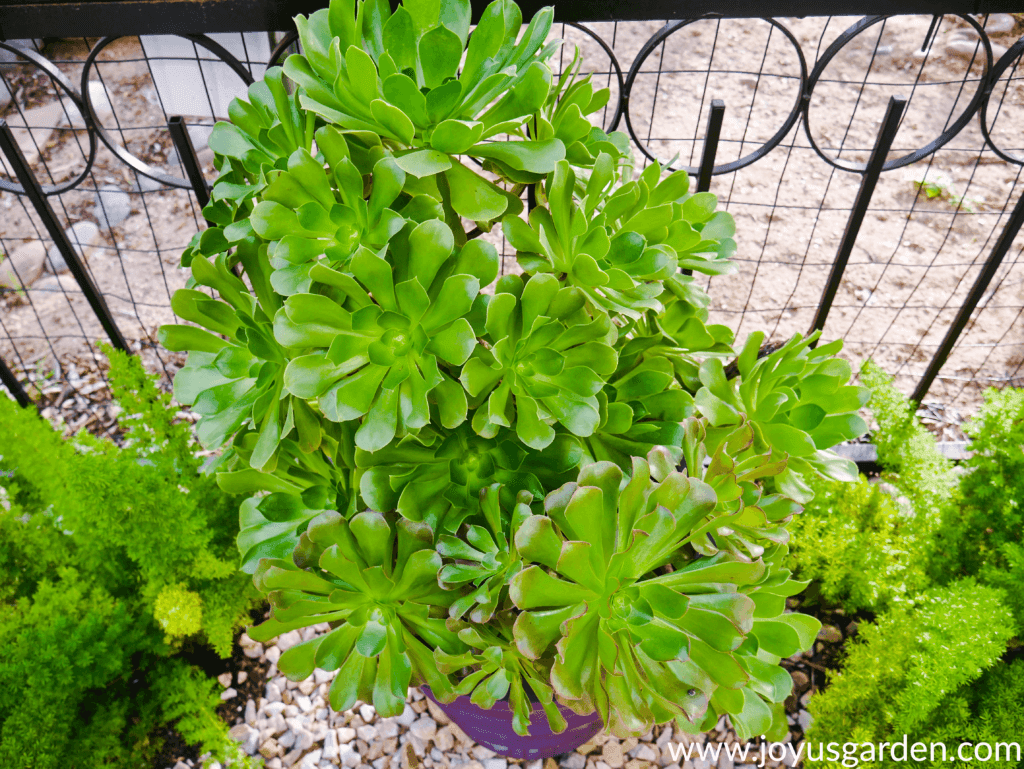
[900, 672]
[935, 552]
[399, 415]
[110, 557]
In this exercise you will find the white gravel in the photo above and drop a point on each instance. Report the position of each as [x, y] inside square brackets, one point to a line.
[291, 727]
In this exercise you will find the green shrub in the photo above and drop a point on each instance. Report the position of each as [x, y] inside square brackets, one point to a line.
[982, 533]
[991, 710]
[861, 548]
[906, 450]
[95, 541]
[867, 545]
[900, 668]
[143, 520]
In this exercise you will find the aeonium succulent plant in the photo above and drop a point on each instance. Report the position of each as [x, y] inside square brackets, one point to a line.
[548, 479]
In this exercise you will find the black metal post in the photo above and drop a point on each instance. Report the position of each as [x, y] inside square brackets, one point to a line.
[707, 156]
[963, 315]
[9, 147]
[872, 171]
[707, 160]
[11, 383]
[187, 155]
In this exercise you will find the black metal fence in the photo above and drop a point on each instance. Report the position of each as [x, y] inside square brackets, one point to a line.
[873, 167]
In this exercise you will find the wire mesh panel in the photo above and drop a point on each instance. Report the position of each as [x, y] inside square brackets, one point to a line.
[803, 101]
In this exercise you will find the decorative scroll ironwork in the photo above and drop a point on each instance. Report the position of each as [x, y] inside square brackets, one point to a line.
[807, 80]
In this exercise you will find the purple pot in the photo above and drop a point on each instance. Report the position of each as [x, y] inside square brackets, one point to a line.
[493, 728]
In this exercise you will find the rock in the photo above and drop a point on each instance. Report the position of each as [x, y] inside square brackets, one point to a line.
[800, 681]
[368, 714]
[387, 728]
[480, 753]
[24, 266]
[250, 712]
[270, 748]
[228, 694]
[424, 728]
[407, 717]
[1000, 24]
[273, 654]
[830, 634]
[44, 120]
[367, 733]
[611, 754]
[83, 235]
[323, 676]
[574, 761]
[419, 747]
[968, 49]
[348, 755]
[100, 104]
[312, 758]
[273, 692]
[804, 719]
[537, 763]
[5, 95]
[246, 735]
[646, 753]
[285, 641]
[253, 652]
[444, 739]
[495, 763]
[224, 679]
[290, 758]
[805, 698]
[145, 184]
[437, 714]
[304, 703]
[346, 735]
[287, 739]
[331, 745]
[242, 676]
[307, 687]
[181, 765]
[725, 760]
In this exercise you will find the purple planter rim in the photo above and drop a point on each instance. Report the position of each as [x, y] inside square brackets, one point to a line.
[493, 728]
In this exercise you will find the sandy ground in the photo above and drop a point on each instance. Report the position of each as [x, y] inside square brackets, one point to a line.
[913, 263]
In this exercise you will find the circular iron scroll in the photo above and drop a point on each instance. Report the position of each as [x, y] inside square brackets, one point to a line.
[661, 36]
[954, 128]
[287, 42]
[65, 85]
[121, 152]
[1015, 52]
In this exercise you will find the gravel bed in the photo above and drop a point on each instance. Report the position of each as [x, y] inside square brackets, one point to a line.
[290, 726]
